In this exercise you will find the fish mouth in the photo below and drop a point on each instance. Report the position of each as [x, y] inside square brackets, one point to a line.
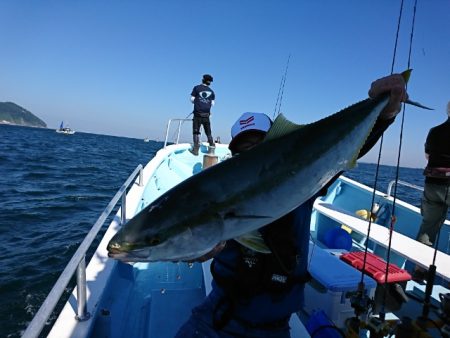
[140, 255]
[117, 254]
[124, 257]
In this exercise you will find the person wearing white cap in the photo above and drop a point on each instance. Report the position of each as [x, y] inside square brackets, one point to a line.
[436, 198]
[254, 294]
[249, 129]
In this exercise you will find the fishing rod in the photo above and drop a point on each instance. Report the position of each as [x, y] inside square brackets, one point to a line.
[444, 312]
[281, 90]
[406, 327]
[375, 184]
[392, 223]
[360, 302]
[432, 268]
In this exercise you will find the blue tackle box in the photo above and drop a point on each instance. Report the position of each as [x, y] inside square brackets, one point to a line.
[334, 282]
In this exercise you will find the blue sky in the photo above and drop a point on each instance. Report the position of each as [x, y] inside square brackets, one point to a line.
[125, 67]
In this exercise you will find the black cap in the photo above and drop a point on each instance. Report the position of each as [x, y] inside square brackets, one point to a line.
[207, 78]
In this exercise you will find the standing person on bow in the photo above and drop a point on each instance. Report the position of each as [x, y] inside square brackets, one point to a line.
[202, 97]
[436, 198]
[254, 294]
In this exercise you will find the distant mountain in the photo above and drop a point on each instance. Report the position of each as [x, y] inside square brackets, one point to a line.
[11, 113]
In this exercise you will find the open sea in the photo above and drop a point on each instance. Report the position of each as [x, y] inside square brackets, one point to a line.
[53, 188]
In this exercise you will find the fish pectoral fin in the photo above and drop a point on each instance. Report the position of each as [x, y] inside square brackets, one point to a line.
[254, 241]
[354, 161]
[281, 126]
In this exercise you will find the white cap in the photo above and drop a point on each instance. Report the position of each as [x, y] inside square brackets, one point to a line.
[251, 121]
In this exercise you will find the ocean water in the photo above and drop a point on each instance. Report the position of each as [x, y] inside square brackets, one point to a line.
[53, 188]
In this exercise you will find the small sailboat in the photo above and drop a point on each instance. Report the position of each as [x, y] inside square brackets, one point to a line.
[65, 130]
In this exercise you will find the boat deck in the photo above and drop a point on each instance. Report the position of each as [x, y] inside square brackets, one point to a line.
[149, 300]
[155, 299]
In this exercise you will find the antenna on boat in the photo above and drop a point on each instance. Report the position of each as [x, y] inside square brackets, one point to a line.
[281, 90]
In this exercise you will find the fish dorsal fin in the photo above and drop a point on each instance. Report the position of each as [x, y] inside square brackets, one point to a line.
[254, 241]
[281, 126]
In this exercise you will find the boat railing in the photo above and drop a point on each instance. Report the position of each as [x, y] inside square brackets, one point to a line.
[78, 263]
[391, 185]
[180, 122]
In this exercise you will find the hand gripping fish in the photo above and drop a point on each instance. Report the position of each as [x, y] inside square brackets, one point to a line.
[248, 191]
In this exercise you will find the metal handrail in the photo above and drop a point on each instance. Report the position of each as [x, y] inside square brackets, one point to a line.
[391, 184]
[180, 121]
[78, 263]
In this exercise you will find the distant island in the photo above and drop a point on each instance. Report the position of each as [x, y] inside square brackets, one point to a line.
[11, 113]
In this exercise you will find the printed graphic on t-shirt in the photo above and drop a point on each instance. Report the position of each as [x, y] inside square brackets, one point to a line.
[204, 95]
[203, 99]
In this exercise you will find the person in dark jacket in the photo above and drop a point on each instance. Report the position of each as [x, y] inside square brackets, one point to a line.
[254, 294]
[436, 198]
[202, 97]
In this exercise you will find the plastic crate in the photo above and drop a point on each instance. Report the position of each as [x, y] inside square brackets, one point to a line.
[376, 267]
[334, 282]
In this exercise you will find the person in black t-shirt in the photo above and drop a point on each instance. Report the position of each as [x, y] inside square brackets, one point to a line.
[202, 97]
[436, 199]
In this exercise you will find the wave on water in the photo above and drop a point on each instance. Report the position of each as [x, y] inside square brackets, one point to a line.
[53, 188]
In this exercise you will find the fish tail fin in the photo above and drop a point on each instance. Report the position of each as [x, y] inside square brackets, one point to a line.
[417, 104]
[406, 75]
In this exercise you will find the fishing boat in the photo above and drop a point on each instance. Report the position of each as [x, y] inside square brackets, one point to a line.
[65, 129]
[115, 299]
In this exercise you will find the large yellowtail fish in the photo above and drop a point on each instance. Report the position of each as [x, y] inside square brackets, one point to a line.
[250, 190]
